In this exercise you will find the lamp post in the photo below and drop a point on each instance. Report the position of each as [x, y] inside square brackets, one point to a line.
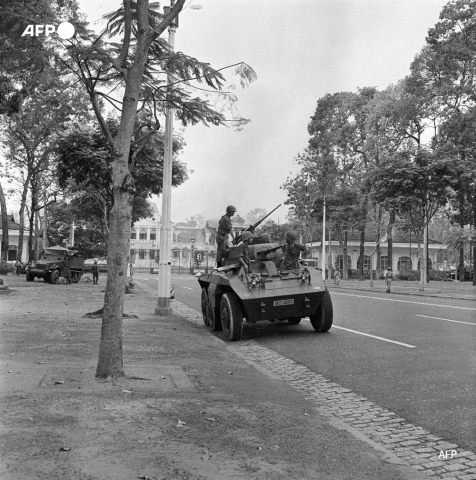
[192, 240]
[165, 269]
[206, 253]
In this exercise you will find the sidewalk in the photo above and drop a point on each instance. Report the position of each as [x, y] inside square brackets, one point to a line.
[191, 406]
[456, 290]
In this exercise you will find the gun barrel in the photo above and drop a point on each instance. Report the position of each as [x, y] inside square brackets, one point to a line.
[251, 228]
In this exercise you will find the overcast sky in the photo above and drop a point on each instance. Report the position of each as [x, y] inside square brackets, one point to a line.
[300, 50]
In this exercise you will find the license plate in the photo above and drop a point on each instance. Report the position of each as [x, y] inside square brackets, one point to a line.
[278, 303]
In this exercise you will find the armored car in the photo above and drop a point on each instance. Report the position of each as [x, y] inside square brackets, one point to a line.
[231, 296]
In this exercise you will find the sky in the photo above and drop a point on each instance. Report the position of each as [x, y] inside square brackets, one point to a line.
[300, 50]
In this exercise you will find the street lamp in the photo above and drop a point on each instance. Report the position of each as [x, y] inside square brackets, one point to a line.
[165, 264]
[192, 240]
[206, 253]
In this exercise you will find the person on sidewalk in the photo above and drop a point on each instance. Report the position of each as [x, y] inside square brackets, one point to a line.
[95, 271]
[224, 232]
[389, 278]
[337, 277]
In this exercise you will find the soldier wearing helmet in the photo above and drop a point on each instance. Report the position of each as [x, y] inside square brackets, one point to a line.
[224, 231]
[243, 255]
[292, 251]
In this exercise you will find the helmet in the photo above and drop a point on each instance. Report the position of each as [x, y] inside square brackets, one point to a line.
[291, 236]
[230, 208]
[266, 237]
[246, 236]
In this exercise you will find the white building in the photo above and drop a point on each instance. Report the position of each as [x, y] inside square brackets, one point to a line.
[191, 247]
[405, 255]
[13, 238]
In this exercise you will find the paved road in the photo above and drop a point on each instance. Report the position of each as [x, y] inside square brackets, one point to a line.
[412, 355]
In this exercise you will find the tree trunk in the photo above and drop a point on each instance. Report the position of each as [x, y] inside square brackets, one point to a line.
[5, 240]
[346, 267]
[110, 362]
[391, 223]
[362, 252]
[22, 218]
[377, 246]
[474, 241]
[34, 203]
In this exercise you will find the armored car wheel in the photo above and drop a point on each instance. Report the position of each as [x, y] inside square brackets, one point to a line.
[231, 316]
[206, 308]
[322, 320]
[294, 320]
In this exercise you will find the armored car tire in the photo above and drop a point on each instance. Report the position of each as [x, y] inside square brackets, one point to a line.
[294, 320]
[321, 321]
[231, 316]
[206, 308]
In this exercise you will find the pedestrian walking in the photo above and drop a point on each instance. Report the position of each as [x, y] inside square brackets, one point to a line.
[388, 279]
[337, 277]
[95, 271]
[18, 266]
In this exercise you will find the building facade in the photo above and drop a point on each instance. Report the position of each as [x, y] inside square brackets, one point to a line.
[192, 247]
[13, 239]
[405, 252]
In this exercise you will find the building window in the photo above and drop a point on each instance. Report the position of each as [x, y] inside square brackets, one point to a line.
[133, 234]
[142, 254]
[152, 254]
[384, 262]
[367, 262]
[143, 234]
[12, 253]
[340, 262]
[153, 236]
[176, 253]
[404, 264]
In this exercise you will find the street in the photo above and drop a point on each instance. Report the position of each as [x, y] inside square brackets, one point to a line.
[413, 355]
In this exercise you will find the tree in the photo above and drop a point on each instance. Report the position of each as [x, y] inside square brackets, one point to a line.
[416, 188]
[84, 168]
[137, 65]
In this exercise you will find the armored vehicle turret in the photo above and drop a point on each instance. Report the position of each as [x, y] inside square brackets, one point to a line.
[56, 262]
[266, 292]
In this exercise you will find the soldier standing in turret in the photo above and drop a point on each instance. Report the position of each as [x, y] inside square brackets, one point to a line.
[291, 251]
[224, 230]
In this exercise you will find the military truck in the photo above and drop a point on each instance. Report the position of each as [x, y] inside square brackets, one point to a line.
[56, 262]
[267, 292]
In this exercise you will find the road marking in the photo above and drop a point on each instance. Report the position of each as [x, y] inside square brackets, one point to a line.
[447, 320]
[188, 288]
[374, 336]
[403, 301]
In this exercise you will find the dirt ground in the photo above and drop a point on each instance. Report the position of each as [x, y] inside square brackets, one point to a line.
[188, 408]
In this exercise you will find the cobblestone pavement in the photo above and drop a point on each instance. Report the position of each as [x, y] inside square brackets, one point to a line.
[403, 442]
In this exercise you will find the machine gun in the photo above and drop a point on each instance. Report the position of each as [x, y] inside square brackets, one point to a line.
[262, 253]
[252, 228]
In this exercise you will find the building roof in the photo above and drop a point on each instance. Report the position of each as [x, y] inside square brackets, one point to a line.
[12, 225]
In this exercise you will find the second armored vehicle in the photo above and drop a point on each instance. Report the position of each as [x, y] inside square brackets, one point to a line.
[56, 262]
[267, 292]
